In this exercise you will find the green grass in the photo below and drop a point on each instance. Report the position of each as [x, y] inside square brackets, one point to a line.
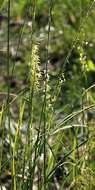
[47, 148]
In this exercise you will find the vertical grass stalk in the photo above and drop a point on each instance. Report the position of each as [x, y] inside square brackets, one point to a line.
[8, 72]
[45, 98]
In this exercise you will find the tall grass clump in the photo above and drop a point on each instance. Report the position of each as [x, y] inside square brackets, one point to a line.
[49, 144]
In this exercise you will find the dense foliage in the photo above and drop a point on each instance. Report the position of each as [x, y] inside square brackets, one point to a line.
[47, 96]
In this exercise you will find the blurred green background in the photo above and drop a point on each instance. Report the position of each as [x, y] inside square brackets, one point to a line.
[72, 32]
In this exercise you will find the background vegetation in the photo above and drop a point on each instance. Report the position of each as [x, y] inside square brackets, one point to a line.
[47, 95]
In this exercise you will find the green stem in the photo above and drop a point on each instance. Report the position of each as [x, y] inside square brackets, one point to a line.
[45, 100]
[8, 72]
